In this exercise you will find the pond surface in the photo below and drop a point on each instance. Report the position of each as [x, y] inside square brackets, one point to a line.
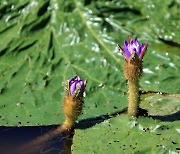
[12, 138]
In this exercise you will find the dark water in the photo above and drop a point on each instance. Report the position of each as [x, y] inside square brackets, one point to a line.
[12, 138]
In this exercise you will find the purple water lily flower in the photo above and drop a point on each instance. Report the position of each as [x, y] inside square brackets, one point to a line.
[131, 47]
[76, 82]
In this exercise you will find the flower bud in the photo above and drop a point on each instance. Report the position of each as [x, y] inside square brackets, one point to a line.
[76, 86]
[73, 101]
[133, 53]
[131, 47]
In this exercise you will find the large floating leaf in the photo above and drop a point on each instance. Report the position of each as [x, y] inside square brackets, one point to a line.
[161, 104]
[44, 43]
[124, 135]
[161, 72]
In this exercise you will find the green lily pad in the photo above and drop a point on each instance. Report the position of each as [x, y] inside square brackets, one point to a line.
[161, 104]
[123, 134]
[45, 43]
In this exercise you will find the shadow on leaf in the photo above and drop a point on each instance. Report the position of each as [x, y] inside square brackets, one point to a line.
[168, 118]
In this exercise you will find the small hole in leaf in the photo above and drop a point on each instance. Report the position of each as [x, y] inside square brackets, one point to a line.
[174, 142]
[95, 105]
[116, 141]
[14, 74]
[45, 77]
[2, 90]
[115, 107]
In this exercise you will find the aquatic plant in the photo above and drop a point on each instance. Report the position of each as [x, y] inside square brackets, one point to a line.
[72, 108]
[45, 42]
[73, 101]
[133, 53]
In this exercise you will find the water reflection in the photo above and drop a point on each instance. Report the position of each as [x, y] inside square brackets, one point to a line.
[13, 138]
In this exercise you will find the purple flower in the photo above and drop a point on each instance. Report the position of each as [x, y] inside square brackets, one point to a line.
[76, 83]
[131, 47]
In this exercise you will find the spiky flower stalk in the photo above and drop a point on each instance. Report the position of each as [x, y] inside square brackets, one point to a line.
[72, 108]
[73, 101]
[133, 53]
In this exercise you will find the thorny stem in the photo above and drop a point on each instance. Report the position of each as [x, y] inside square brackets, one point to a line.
[72, 108]
[133, 91]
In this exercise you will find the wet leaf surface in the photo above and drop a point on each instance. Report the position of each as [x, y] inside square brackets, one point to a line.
[162, 106]
[44, 43]
[123, 134]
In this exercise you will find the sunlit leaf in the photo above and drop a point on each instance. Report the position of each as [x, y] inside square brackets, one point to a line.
[44, 43]
[125, 135]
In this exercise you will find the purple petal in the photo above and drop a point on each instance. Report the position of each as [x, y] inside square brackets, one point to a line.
[125, 43]
[143, 49]
[72, 88]
[133, 46]
[71, 82]
[130, 49]
[127, 53]
[81, 82]
[122, 50]
[136, 42]
[139, 50]
[74, 82]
